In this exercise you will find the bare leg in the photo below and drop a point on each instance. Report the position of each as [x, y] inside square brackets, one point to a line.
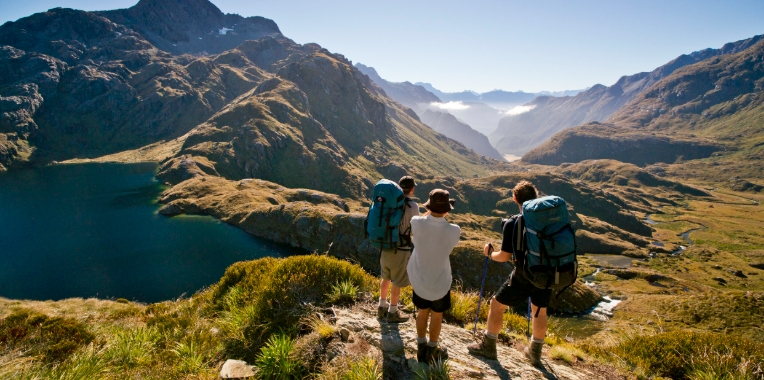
[421, 322]
[383, 288]
[496, 316]
[539, 323]
[395, 295]
[436, 320]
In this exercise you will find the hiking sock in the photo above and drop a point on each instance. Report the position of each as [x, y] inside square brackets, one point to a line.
[421, 340]
[491, 336]
[392, 308]
[537, 340]
[382, 302]
[432, 343]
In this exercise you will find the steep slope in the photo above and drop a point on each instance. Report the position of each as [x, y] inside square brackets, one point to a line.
[450, 126]
[606, 141]
[421, 101]
[319, 123]
[517, 134]
[191, 26]
[720, 99]
[410, 95]
[79, 85]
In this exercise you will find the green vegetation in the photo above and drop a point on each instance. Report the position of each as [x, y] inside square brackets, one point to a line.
[275, 361]
[54, 339]
[439, 370]
[262, 311]
[683, 354]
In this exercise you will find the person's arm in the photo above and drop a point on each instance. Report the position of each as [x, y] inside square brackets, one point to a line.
[500, 256]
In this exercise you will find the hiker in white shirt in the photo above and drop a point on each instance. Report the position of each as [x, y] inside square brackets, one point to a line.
[429, 271]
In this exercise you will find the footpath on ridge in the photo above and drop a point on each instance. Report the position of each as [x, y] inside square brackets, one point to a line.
[395, 346]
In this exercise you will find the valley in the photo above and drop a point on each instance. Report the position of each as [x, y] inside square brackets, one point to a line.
[279, 144]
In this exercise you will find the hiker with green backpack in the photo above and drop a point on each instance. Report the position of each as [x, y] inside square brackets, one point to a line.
[541, 244]
[388, 226]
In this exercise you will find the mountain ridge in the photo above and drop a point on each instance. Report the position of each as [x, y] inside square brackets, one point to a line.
[598, 103]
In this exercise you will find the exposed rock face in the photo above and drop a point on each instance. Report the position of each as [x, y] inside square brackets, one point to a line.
[448, 125]
[396, 344]
[518, 134]
[191, 26]
[79, 84]
[606, 141]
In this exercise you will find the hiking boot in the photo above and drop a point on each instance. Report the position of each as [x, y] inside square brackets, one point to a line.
[486, 348]
[421, 352]
[436, 353]
[396, 317]
[533, 353]
[381, 312]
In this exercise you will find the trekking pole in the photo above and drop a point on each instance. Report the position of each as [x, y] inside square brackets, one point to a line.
[530, 333]
[482, 283]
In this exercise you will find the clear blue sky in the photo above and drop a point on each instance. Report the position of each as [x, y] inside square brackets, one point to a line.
[485, 45]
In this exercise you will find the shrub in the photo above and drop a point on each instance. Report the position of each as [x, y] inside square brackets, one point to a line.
[278, 294]
[275, 361]
[54, 339]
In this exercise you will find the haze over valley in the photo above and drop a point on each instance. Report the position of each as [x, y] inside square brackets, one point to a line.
[183, 190]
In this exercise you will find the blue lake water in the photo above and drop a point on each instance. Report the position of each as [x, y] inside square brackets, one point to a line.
[93, 230]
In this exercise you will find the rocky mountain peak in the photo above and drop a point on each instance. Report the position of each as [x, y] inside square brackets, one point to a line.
[193, 26]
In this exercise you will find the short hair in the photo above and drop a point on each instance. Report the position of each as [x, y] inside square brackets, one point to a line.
[524, 191]
[407, 183]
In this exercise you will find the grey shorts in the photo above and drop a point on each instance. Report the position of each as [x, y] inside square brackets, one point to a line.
[394, 266]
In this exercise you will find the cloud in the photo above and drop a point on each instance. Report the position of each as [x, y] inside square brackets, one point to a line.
[450, 106]
[518, 110]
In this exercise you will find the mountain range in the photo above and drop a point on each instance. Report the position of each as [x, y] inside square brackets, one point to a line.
[80, 84]
[714, 105]
[517, 134]
[423, 103]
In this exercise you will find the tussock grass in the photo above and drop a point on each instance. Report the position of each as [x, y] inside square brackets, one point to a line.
[276, 361]
[438, 370]
[352, 368]
[566, 353]
[343, 293]
[680, 354]
[464, 307]
[323, 328]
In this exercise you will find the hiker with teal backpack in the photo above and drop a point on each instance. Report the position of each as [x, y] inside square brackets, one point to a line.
[389, 228]
[541, 244]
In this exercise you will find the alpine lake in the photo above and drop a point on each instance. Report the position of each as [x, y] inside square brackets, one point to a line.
[93, 230]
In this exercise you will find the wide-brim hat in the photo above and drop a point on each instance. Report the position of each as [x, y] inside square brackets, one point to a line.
[439, 202]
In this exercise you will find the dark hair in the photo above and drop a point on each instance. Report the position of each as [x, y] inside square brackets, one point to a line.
[407, 183]
[524, 191]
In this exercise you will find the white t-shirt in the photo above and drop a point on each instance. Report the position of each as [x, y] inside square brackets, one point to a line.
[429, 268]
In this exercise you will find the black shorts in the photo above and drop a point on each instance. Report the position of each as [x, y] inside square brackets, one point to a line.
[438, 306]
[517, 289]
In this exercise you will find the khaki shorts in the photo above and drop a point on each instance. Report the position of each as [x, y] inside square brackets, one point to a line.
[394, 267]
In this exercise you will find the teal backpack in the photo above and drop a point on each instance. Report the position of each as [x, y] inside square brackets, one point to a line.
[549, 244]
[385, 214]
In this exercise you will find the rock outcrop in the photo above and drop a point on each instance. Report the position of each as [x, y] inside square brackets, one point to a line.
[395, 347]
